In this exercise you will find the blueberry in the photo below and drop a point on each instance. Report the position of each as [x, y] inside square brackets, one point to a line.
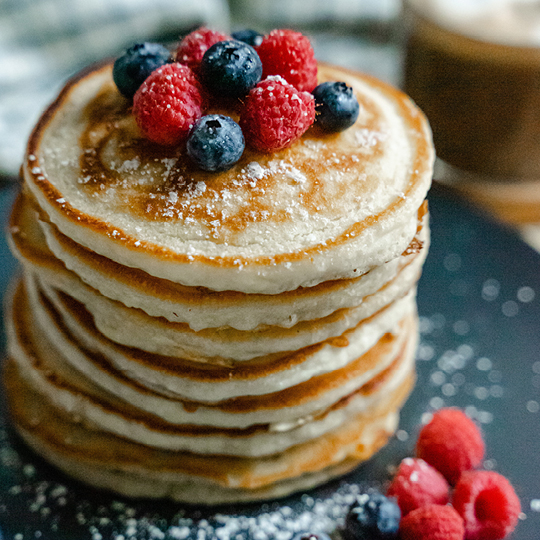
[311, 536]
[131, 69]
[336, 106]
[373, 517]
[251, 37]
[231, 68]
[215, 143]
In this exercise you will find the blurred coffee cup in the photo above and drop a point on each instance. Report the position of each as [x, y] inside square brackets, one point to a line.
[473, 66]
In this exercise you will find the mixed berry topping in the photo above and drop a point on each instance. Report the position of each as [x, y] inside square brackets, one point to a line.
[168, 103]
[276, 114]
[133, 67]
[230, 69]
[432, 522]
[251, 37]
[264, 81]
[289, 54]
[336, 106]
[373, 517]
[215, 143]
[192, 48]
[487, 503]
[452, 443]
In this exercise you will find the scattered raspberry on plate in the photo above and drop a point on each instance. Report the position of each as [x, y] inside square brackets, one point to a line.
[432, 522]
[488, 505]
[451, 442]
[417, 484]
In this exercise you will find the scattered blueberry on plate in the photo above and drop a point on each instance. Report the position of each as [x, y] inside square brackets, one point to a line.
[372, 517]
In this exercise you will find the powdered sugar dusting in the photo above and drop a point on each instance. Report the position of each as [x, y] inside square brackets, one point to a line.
[315, 145]
[288, 171]
[130, 165]
[368, 138]
[102, 517]
[255, 171]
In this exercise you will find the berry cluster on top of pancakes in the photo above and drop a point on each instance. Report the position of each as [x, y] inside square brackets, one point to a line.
[267, 83]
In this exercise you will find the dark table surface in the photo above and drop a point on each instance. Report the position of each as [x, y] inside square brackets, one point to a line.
[479, 305]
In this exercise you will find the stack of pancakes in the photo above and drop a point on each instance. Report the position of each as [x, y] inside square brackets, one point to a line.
[215, 337]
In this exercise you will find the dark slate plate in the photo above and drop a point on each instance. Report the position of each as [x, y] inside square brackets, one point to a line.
[479, 302]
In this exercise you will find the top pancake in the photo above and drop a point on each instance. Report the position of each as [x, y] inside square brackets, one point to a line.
[331, 206]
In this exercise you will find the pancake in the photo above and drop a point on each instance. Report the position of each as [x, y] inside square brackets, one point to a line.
[137, 470]
[283, 403]
[124, 408]
[203, 308]
[215, 337]
[174, 376]
[329, 207]
[134, 328]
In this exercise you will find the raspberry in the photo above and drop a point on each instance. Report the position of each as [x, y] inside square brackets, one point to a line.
[418, 484]
[487, 503]
[289, 54]
[432, 522]
[276, 114]
[192, 48]
[451, 443]
[167, 104]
